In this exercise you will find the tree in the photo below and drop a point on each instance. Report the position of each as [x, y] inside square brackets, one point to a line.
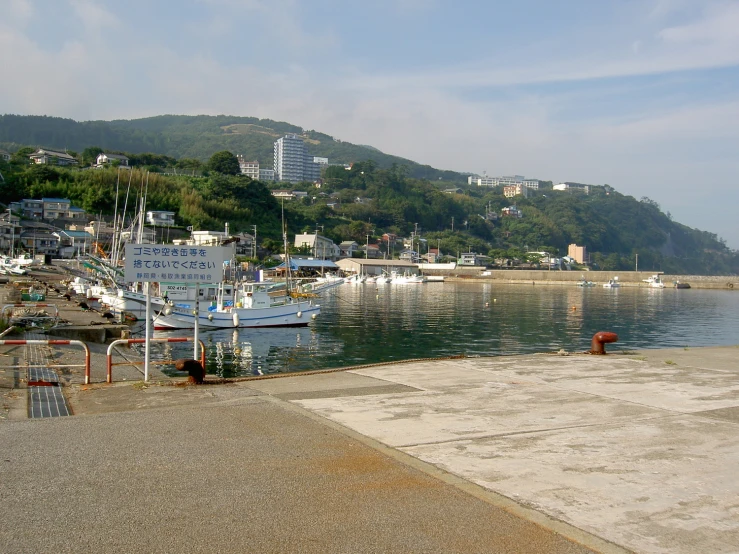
[224, 162]
[90, 154]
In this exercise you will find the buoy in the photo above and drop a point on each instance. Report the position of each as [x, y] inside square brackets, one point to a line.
[495, 299]
[487, 304]
[210, 317]
[299, 315]
[236, 319]
[314, 316]
[574, 308]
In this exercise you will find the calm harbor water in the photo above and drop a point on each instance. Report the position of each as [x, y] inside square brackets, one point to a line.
[362, 324]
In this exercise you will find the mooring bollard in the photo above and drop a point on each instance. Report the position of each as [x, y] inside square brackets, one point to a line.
[597, 345]
[194, 369]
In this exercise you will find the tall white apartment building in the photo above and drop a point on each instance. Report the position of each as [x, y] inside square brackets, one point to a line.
[292, 163]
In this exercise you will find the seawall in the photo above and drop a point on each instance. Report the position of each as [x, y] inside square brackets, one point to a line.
[556, 277]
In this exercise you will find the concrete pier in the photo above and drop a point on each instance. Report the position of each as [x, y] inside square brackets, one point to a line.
[541, 453]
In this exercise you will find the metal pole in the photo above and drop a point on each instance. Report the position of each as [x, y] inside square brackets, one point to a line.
[196, 313]
[147, 344]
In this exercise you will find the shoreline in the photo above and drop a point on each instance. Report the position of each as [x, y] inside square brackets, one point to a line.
[570, 278]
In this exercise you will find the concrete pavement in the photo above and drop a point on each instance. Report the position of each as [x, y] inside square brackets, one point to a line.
[542, 453]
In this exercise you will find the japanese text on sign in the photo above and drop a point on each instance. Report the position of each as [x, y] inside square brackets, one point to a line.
[158, 262]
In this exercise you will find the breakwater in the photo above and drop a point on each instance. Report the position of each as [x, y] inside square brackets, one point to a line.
[556, 277]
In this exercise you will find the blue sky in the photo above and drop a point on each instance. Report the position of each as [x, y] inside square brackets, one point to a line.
[639, 94]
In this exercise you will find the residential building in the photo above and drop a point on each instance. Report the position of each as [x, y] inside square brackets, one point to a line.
[519, 189]
[242, 243]
[250, 169]
[56, 208]
[347, 249]
[52, 157]
[32, 209]
[511, 211]
[292, 163]
[372, 251]
[160, 218]
[106, 159]
[577, 253]
[471, 259]
[266, 175]
[98, 229]
[73, 243]
[410, 256]
[321, 247]
[39, 241]
[76, 213]
[4, 155]
[10, 231]
[572, 187]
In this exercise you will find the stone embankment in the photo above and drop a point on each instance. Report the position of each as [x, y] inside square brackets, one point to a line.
[626, 278]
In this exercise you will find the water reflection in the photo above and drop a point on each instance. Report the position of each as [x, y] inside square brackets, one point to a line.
[367, 324]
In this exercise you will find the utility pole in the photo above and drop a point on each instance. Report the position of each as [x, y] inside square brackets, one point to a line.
[366, 248]
[254, 242]
[637, 263]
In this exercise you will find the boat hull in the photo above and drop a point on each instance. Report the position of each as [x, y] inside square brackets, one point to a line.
[290, 315]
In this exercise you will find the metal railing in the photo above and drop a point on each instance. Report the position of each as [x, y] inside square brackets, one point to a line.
[57, 343]
[142, 341]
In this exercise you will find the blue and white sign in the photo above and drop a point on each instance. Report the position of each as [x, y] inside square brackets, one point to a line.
[180, 264]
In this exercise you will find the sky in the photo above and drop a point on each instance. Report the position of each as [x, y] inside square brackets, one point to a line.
[642, 95]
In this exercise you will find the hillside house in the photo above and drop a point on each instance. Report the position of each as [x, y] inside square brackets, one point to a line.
[160, 218]
[108, 159]
[52, 157]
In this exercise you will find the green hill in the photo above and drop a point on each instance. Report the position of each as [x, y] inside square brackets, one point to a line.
[197, 137]
[380, 194]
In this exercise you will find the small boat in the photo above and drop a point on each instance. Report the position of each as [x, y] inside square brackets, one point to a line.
[585, 283]
[655, 282]
[612, 283]
[679, 285]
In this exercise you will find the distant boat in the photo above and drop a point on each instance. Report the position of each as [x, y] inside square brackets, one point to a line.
[612, 283]
[655, 281]
[585, 283]
[679, 285]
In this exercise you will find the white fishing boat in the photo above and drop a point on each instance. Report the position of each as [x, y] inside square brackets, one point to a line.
[612, 283]
[655, 282]
[253, 305]
[407, 278]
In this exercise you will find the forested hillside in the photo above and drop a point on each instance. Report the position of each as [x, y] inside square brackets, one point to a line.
[367, 201]
[194, 137]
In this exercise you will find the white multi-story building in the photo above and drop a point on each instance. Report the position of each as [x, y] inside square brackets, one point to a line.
[572, 187]
[293, 164]
[250, 169]
[502, 181]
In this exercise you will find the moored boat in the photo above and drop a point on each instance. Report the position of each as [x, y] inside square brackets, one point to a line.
[612, 283]
[253, 306]
[655, 281]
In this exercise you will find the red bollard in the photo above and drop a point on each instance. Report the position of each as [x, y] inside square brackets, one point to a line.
[597, 346]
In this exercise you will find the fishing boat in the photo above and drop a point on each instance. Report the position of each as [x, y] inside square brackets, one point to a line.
[585, 283]
[253, 305]
[612, 283]
[655, 281]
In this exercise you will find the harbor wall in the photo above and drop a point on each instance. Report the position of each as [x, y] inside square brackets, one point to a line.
[556, 277]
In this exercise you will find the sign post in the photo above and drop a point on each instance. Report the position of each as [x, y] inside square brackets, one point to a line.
[149, 263]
